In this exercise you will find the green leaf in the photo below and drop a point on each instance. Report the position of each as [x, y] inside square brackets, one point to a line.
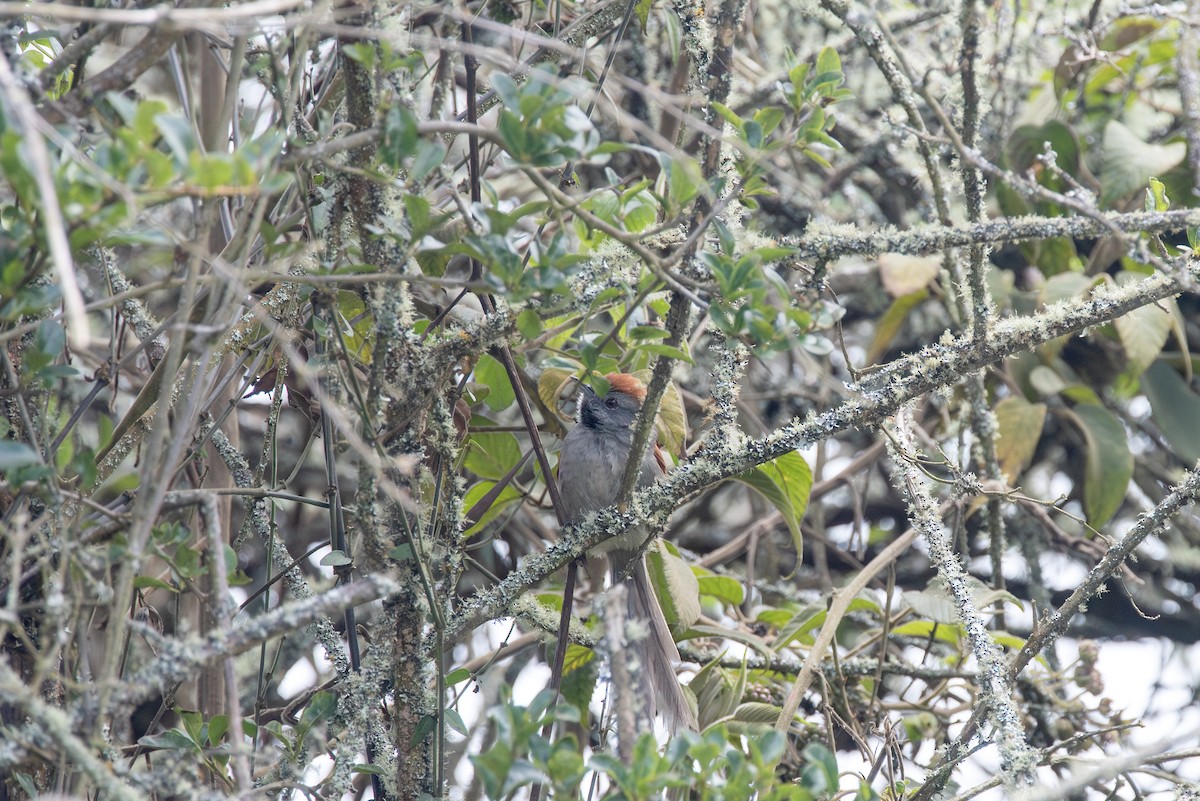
[1156, 196]
[529, 324]
[1019, 425]
[786, 483]
[668, 351]
[491, 454]
[642, 9]
[489, 372]
[455, 722]
[428, 156]
[949, 633]
[889, 324]
[1109, 463]
[399, 136]
[581, 670]
[14, 455]
[729, 115]
[143, 582]
[505, 498]
[934, 604]
[676, 585]
[1065, 286]
[1175, 408]
[335, 559]
[727, 589]
[1144, 330]
[1128, 162]
[756, 712]
[684, 179]
[173, 739]
[456, 676]
[1027, 143]
[824, 762]
[813, 616]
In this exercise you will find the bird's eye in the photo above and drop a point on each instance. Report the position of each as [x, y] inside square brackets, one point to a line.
[610, 402]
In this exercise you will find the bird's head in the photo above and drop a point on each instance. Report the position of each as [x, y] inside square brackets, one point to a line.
[617, 409]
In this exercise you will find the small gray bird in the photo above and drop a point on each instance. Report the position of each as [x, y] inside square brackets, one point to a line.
[590, 465]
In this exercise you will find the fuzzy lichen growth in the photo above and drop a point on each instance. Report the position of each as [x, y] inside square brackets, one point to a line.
[1018, 761]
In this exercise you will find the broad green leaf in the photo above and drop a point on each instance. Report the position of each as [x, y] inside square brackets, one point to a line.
[828, 61]
[1109, 463]
[455, 722]
[1006, 640]
[429, 155]
[336, 558]
[143, 582]
[581, 669]
[729, 115]
[889, 324]
[1027, 143]
[926, 629]
[736, 635]
[456, 676]
[491, 454]
[932, 604]
[670, 352]
[1176, 409]
[1143, 333]
[1178, 328]
[1128, 162]
[684, 179]
[718, 691]
[505, 498]
[1019, 424]
[1126, 30]
[727, 589]
[678, 589]
[1055, 255]
[812, 617]
[17, 454]
[756, 712]
[786, 483]
[490, 372]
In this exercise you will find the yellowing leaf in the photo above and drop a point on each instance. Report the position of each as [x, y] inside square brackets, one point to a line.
[552, 384]
[1020, 427]
[670, 425]
[902, 274]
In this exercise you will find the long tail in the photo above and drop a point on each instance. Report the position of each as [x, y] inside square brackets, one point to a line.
[657, 687]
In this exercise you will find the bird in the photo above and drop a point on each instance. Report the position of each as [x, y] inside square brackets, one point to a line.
[591, 464]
